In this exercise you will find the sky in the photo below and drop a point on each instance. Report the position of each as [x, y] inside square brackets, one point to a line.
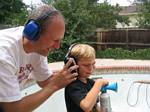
[28, 2]
[113, 2]
[120, 2]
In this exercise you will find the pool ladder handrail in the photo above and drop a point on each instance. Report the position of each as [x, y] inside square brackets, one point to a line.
[140, 82]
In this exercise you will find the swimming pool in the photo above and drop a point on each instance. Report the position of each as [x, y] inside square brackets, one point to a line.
[131, 96]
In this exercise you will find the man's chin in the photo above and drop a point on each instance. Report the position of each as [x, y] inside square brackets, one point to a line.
[46, 53]
[43, 54]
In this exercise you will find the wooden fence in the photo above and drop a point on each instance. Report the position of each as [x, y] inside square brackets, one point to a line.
[4, 26]
[122, 38]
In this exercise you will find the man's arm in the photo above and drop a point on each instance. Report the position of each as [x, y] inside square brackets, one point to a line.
[61, 78]
[28, 103]
[57, 81]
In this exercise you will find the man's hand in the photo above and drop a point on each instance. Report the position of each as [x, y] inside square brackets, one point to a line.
[61, 78]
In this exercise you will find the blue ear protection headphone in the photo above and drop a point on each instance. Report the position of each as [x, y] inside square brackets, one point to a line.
[32, 28]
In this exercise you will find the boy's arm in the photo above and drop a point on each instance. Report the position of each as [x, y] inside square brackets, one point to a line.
[89, 101]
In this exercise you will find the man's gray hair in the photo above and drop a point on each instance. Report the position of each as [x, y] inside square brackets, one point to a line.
[43, 15]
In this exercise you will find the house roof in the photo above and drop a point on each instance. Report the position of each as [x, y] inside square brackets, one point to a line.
[128, 10]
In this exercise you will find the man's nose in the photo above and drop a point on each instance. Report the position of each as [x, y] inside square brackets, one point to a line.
[57, 45]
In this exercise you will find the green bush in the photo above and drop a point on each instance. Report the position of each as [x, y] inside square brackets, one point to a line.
[119, 53]
[82, 17]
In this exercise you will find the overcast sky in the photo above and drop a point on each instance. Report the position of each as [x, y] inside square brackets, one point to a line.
[28, 2]
[120, 2]
[113, 2]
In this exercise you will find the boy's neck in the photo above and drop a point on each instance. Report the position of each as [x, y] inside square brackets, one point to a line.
[84, 80]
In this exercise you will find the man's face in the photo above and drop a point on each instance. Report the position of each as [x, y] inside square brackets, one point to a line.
[51, 38]
[86, 67]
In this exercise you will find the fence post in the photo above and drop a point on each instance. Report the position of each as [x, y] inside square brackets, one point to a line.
[99, 36]
[127, 38]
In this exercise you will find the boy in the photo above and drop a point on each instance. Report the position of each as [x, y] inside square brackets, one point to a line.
[81, 95]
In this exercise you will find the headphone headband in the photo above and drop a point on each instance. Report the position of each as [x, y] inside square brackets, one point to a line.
[69, 50]
[68, 56]
[45, 16]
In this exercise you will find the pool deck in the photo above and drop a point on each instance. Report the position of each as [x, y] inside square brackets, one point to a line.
[114, 65]
[109, 63]
[108, 66]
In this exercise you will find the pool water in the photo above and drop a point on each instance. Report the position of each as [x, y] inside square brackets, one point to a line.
[130, 97]
[56, 103]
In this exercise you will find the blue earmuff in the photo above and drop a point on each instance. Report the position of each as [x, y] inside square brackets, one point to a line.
[32, 28]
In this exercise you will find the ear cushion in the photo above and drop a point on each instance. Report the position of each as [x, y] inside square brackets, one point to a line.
[31, 30]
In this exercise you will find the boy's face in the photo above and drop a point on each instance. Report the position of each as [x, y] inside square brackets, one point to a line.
[86, 67]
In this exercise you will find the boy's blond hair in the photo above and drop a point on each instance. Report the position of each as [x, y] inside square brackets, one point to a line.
[82, 51]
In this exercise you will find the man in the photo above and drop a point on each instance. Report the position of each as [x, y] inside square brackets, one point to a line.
[24, 52]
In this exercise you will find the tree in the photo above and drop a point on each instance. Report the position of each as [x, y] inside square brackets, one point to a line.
[82, 17]
[12, 12]
[107, 16]
[143, 20]
[79, 24]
